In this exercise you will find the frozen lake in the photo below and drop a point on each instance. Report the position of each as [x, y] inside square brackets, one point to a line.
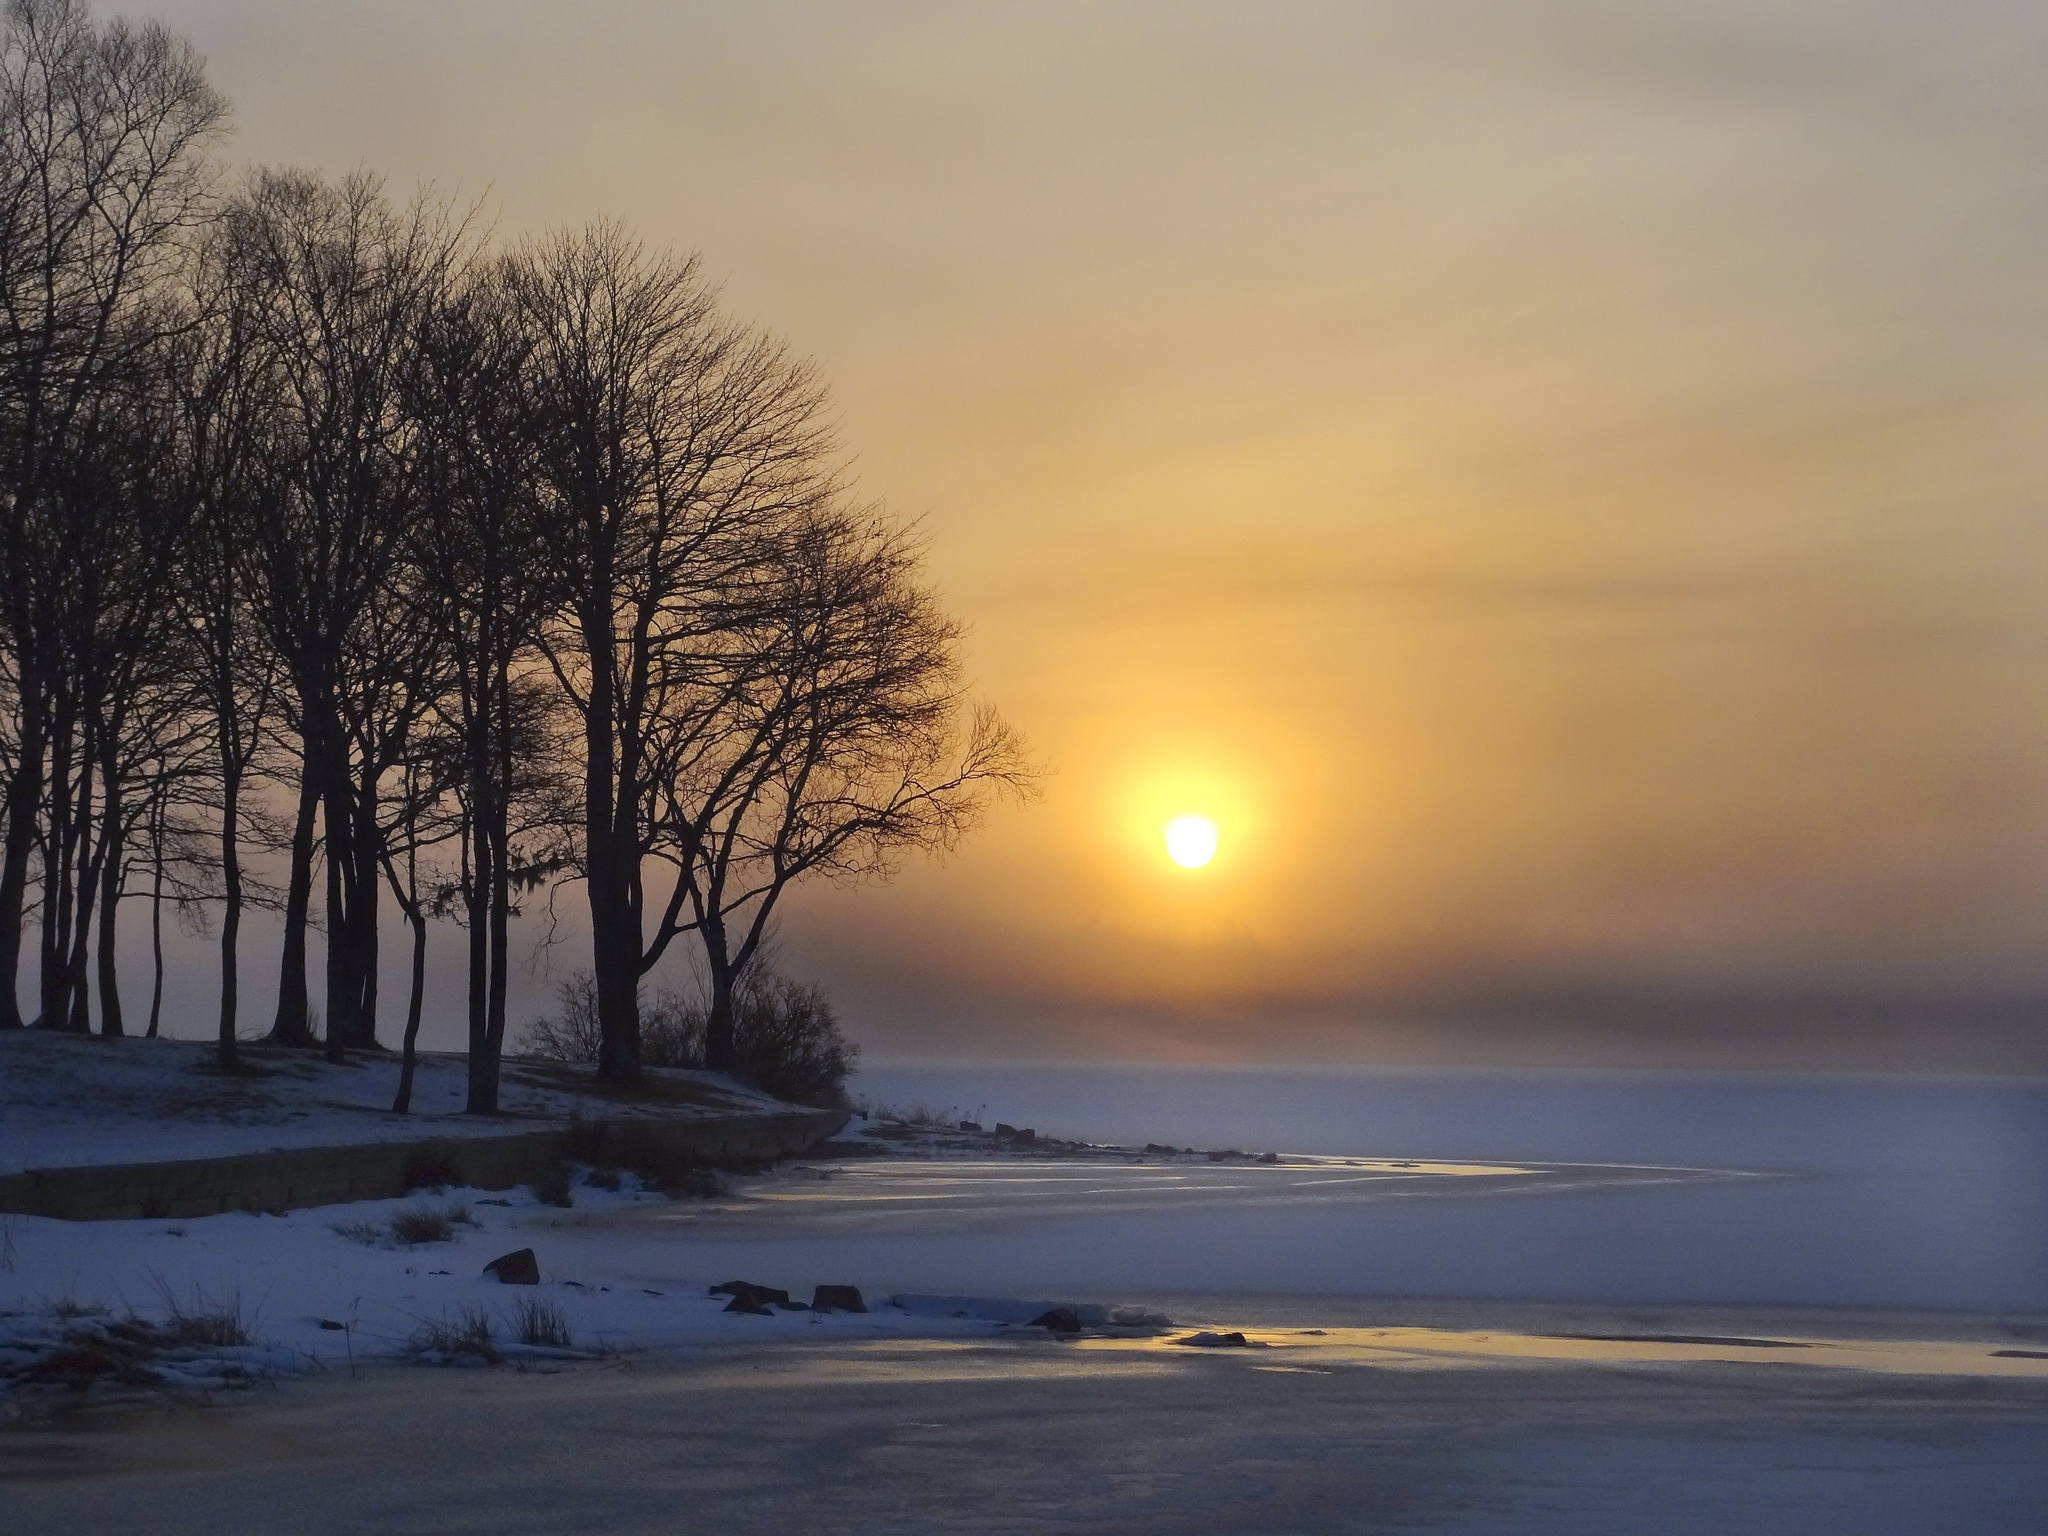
[1795, 1190]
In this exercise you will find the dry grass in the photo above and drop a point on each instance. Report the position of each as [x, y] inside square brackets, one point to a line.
[117, 1352]
[468, 1334]
[199, 1318]
[411, 1226]
[97, 1349]
[540, 1322]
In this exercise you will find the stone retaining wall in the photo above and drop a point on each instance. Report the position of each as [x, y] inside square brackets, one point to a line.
[287, 1180]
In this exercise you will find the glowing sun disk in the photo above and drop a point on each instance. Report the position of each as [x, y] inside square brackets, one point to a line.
[1191, 841]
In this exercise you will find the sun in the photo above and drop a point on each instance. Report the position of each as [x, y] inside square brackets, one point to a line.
[1191, 841]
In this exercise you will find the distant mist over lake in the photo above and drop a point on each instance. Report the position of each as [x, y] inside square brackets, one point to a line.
[1888, 1191]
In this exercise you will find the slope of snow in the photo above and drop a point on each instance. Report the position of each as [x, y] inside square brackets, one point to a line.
[77, 1100]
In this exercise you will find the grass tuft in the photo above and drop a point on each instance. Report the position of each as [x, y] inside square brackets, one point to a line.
[420, 1225]
[538, 1321]
[200, 1318]
[430, 1223]
[468, 1334]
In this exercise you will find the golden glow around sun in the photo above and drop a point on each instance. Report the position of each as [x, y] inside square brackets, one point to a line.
[1191, 841]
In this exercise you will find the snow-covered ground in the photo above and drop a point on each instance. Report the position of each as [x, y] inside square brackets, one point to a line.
[963, 1244]
[76, 1100]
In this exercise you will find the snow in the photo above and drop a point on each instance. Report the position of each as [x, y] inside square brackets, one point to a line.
[78, 1100]
[943, 1248]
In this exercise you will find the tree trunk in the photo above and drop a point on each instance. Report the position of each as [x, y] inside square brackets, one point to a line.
[53, 980]
[418, 918]
[72, 1009]
[361, 883]
[112, 848]
[343, 994]
[292, 1026]
[500, 914]
[483, 1077]
[614, 928]
[79, 1021]
[719, 1055]
[156, 907]
[327, 766]
[225, 1048]
[24, 800]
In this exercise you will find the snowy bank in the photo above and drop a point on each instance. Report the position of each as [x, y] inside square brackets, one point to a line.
[69, 1101]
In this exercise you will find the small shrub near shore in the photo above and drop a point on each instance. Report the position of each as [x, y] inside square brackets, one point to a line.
[785, 1036]
[539, 1322]
[199, 1318]
[466, 1334]
[410, 1227]
[74, 1348]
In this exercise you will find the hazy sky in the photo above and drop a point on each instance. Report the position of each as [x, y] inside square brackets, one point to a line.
[1561, 484]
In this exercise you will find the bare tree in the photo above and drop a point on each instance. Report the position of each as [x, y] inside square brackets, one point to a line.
[103, 131]
[479, 544]
[675, 447]
[850, 745]
[342, 283]
[219, 388]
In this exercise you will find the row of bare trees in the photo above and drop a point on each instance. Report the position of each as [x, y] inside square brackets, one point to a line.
[424, 567]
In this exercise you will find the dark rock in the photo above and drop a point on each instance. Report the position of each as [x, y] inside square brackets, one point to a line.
[1270, 1157]
[970, 1125]
[1160, 1149]
[332, 1326]
[758, 1298]
[1005, 1130]
[837, 1298]
[1215, 1341]
[749, 1303]
[793, 1306]
[517, 1268]
[1027, 1134]
[1059, 1320]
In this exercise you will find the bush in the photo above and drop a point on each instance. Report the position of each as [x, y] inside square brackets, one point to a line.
[671, 1032]
[671, 1028]
[785, 1036]
[788, 1042]
[570, 1034]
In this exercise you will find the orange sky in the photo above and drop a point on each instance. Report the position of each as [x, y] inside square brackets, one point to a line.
[1561, 484]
